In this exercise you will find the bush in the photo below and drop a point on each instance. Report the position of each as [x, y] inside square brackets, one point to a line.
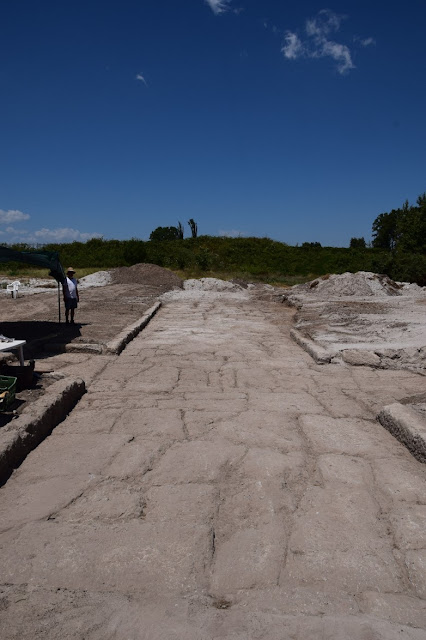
[254, 257]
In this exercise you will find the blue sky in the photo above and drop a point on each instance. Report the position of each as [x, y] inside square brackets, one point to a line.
[297, 121]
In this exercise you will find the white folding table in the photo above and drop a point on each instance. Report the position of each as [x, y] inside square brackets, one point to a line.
[15, 344]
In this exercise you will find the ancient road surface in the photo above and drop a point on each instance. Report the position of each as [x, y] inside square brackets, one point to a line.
[215, 483]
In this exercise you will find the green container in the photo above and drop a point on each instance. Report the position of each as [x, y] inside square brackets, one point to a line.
[8, 385]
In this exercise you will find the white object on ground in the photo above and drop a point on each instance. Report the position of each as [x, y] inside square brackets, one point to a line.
[14, 288]
[98, 279]
[15, 344]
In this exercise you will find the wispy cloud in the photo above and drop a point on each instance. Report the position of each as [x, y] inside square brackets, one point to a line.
[219, 6]
[318, 43]
[64, 234]
[324, 23]
[141, 78]
[45, 236]
[365, 42]
[11, 216]
[11, 232]
[292, 47]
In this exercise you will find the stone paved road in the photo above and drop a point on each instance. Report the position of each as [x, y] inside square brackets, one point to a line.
[215, 483]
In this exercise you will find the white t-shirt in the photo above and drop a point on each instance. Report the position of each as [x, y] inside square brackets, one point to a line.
[72, 288]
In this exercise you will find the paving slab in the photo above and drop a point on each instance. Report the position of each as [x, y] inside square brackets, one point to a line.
[19, 437]
[216, 482]
[408, 426]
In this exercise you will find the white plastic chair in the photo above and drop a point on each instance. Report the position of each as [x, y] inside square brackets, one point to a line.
[14, 288]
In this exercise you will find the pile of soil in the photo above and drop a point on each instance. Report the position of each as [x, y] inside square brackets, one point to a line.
[360, 284]
[148, 275]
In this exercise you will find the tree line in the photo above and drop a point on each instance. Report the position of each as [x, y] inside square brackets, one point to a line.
[402, 230]
[260, 259]
[398, 249]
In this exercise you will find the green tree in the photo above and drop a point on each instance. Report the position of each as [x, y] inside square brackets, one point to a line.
[133, 251]
[411, 227]
[403, 230]
[385, 231]
[311, 245]
[357, 243]
[194, 227]
[165, 234]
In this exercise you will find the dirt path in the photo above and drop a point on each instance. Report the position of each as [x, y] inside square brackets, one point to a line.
[215, 483]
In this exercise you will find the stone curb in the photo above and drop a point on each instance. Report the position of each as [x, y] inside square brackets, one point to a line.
[408, 426]
[114, 346]
[117, 345]
[77, 347]
[36, 422]
[319, 354]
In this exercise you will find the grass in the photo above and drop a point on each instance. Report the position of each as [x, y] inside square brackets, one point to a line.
[275, 279]
[33, 272]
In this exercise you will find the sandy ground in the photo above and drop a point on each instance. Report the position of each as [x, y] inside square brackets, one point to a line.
[109, 301]
[361, 318]
[364, 319]
[215, 483]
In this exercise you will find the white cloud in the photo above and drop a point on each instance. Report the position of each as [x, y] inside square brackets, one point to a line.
[11, 233]
[6, 217]
[292, 47]
[324, 23]
[45, 236]
[140, 77]
[218, 6]
[317, 44]
[64, 234]
[365, 42]
[340, 53]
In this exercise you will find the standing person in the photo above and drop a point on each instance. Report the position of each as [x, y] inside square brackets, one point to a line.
[71, 297]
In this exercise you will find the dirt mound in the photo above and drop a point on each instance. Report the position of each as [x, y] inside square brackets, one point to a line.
[147, 274]
[212, 288]
[360, 284]
[364, 318]
[210, 284]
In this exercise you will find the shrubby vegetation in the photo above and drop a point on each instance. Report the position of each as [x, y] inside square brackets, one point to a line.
[398, 250]
[357, 243]
[402, 229]
[250, 258]
[402, 234]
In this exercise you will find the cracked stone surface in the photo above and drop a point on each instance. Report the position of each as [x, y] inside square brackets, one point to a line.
[215, 483]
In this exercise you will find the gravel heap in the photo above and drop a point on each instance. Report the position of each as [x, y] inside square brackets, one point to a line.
[146, 274]
[211, 284]
[98, 279]
[360, 284]
[210, 288]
